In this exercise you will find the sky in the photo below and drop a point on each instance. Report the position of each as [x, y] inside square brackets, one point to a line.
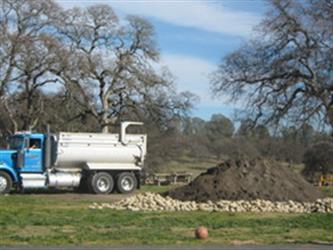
[193, 36]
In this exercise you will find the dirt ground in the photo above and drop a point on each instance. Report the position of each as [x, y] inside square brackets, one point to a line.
[69, 195]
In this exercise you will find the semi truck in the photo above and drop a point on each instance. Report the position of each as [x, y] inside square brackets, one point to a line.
[100, 163]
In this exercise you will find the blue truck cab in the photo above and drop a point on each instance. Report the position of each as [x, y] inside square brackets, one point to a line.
[25, 154]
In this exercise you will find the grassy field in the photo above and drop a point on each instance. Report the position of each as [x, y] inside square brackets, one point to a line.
[327, 191]
[44, 220]
[189, 164]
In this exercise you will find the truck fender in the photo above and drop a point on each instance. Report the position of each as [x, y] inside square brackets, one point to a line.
[10, 171]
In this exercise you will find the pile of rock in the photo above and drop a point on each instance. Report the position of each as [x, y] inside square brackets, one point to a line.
[156, 202]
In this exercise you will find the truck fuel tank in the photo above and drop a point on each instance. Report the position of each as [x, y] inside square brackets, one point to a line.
[60, 179]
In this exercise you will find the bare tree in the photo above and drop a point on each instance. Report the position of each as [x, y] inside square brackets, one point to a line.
[37, 60]
[111, 67]
[287, 72]
[108, 68]
[24, 53]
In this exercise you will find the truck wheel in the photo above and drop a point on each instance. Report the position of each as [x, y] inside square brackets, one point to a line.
[101, 183]
[126, 182]
[5, 183]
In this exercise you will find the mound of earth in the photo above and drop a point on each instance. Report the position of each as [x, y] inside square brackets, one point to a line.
[247, 180]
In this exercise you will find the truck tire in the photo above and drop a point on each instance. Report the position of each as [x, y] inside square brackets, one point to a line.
[101, 183]
[6, 183]
[126, 182]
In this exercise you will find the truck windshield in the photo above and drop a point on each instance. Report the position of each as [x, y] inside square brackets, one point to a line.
[16, 142]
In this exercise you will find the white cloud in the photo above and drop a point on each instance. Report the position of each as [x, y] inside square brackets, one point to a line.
[192, 74]
[207, 16]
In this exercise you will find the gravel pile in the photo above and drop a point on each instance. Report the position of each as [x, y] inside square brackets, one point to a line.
[156, 202]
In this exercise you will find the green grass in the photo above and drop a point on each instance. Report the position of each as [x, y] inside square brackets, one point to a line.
[156, 189]
[189, 164]
[296, 167]
[30, 220]
[327, 191]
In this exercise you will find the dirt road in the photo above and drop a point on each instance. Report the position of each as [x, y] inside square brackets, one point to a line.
[69, 195]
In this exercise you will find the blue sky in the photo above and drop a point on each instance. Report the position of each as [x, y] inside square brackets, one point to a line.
[193, 36]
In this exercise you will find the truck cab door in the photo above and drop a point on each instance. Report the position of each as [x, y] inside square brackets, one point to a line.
[33, 156]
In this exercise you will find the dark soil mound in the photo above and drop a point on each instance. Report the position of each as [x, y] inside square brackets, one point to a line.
[247, 180]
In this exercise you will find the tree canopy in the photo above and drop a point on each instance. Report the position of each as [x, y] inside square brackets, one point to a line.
[319, 158]
[97, 64]
[286, 72]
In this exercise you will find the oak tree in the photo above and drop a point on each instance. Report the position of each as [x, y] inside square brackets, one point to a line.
[286, 73]
[111, 68]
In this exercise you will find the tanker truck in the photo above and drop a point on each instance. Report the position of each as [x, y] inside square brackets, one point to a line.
[94, 162]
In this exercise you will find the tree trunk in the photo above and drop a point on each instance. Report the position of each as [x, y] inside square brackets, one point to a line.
[104, 121]
[10, 115]
[330, 116]
[105, 128]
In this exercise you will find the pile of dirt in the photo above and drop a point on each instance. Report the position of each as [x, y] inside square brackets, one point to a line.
[247, 180]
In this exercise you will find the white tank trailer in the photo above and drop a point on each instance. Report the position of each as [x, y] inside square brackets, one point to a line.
[119, 155]
[94, 162]
[99, 151]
